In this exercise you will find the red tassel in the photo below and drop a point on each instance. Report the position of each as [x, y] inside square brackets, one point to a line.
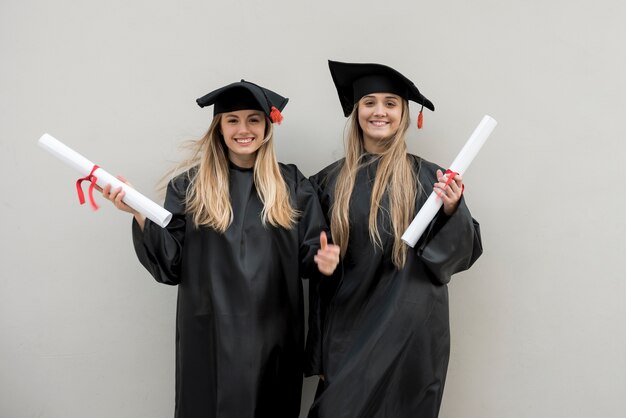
[420, 120]
[276, 116]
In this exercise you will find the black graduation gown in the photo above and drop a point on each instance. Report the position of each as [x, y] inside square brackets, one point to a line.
[239, 325]
[381, 335]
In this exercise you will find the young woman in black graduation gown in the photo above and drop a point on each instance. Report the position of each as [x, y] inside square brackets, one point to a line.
[379, 331]
[244, 230]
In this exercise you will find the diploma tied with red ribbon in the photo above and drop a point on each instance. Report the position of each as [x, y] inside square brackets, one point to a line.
[462, 161]
[97, 176]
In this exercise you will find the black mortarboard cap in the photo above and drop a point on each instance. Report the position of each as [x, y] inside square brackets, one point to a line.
[245, 95]
[355, 80]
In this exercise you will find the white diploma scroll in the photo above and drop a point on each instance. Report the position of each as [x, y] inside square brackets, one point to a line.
[459, 165]
[133, 198]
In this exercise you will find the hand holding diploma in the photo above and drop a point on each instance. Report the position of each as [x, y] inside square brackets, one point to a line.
[117, 197]
[449, 189]
[100, 178]
[440, 193]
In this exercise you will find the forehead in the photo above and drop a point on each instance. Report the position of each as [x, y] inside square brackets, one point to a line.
[243, 113]
[381, 96]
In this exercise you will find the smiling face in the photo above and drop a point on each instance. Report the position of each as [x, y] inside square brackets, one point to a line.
[379, 118]
[243, 132]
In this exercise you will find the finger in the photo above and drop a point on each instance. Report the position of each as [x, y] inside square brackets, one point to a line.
[456, 180]
[120, 197]
[112, 192]
[442, 186]
[323, 241]
[457, 183]
[335, 249]
[450, 178]
[327, 259]
[326, 265]
[442, 194]
[452, 199]
[331, 251]
[439, 174]
[442, 181]
[116, 196]
[458, 192]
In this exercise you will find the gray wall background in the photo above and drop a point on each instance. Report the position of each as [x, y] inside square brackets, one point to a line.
[538, 323]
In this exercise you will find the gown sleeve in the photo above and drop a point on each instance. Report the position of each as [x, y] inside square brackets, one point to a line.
[317, 285]
[452, 243]
[160, 249]
[311, 223]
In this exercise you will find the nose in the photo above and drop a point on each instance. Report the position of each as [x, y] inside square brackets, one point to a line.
[244, 127]
[380, 110]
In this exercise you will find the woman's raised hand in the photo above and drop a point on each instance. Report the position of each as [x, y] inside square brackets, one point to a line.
[327, 256]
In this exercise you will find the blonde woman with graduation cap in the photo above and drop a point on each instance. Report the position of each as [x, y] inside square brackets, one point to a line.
[379, 334]
[245, 229]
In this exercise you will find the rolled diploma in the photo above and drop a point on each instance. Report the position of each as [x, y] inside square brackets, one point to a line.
[459, 165]
[133, 198]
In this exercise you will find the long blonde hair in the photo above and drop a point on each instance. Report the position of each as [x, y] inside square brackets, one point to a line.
[395, 177]
[208, 194]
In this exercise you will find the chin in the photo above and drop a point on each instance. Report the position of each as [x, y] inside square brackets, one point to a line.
[380, 136]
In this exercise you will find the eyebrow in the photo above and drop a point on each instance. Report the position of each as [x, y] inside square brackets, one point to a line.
[386, 97]
[233, 115]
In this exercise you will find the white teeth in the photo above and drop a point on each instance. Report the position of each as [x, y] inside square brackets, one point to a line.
[377, 123]
[243, 140]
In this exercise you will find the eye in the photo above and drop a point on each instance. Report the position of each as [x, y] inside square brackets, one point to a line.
[231, 121]
[391, 103]
[254, 120]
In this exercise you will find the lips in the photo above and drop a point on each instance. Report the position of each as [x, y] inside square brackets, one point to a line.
[379, 123]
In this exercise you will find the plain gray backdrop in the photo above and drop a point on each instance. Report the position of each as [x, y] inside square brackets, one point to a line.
[538, 324]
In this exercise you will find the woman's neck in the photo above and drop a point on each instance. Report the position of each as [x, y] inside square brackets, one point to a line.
[242, 161]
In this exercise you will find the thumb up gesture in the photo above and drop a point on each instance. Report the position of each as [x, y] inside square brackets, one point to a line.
[327, 256]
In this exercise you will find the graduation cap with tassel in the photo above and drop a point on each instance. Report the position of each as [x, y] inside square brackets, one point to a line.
[244, 95]
[355, 80]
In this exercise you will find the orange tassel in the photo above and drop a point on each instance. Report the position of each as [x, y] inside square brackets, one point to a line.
[420, 120]
[276, 116]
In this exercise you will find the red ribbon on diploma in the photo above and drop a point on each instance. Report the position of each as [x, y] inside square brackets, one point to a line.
[451, 175]
[92, 179]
